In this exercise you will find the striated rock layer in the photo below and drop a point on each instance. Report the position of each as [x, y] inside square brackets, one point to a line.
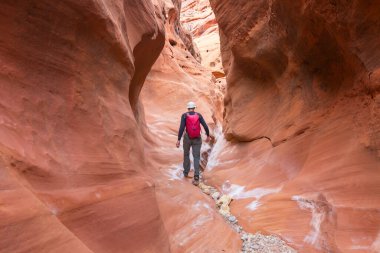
[71, 151]
[84, 166]
[198, 18]
[302, 112]
[189, 217]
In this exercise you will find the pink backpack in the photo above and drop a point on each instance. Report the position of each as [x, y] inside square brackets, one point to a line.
[193, 126]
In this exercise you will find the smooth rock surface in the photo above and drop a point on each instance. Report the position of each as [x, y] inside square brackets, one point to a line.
[303, 100]
[190, 217]
[198, 18]
[71, 151]
[91, 97]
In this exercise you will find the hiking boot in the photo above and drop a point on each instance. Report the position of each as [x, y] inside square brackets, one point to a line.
[196, 180]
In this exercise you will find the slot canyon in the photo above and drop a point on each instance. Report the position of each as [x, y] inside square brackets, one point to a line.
[92, 93]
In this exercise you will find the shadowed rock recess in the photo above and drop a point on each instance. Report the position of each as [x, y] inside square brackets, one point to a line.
[91, 94]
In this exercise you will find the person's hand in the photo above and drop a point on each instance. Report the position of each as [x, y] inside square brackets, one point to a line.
[208, 139]
[177, 144]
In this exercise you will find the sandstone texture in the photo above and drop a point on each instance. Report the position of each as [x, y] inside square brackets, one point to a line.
[71, 149]
[190, 218]
[198, 18]
[84, 167]
[91, 94]
[302, 114]
[252, 243]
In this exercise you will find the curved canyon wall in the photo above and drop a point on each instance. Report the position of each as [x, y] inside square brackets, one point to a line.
[302, 111]
[176, 78]
[88, 164]
[91, 96]
[198, 18]
[72, 161]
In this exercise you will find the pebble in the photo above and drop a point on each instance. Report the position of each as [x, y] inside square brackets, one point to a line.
[255, 246]
[252, 243]
[232, 219]
[244, 236]
[206, 191]
[215, 195]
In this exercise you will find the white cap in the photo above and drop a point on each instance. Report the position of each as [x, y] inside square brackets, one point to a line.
[191, 105]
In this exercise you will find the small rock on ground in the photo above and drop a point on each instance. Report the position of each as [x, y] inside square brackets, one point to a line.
[252, 243]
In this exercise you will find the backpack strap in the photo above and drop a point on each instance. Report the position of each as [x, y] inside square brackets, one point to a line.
[188, 114]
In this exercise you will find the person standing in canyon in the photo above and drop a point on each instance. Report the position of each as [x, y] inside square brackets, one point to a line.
[191, 121]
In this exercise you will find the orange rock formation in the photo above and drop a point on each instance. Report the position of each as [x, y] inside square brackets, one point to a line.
[82, 169]
[198, 18]
[92, 92]
[190, 218]
[72, 161]
[303, 101]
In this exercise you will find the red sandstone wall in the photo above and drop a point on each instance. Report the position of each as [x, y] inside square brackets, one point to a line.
[176, 78]
[72, 162]
[198, 18]
[303, 82]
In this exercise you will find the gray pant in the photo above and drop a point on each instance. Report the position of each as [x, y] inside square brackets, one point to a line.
[195, 145]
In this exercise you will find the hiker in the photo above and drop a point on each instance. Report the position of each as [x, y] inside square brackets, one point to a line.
[191, 120]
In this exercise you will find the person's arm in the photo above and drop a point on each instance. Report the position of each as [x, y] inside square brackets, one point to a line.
[203, 122]
[182, 126]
